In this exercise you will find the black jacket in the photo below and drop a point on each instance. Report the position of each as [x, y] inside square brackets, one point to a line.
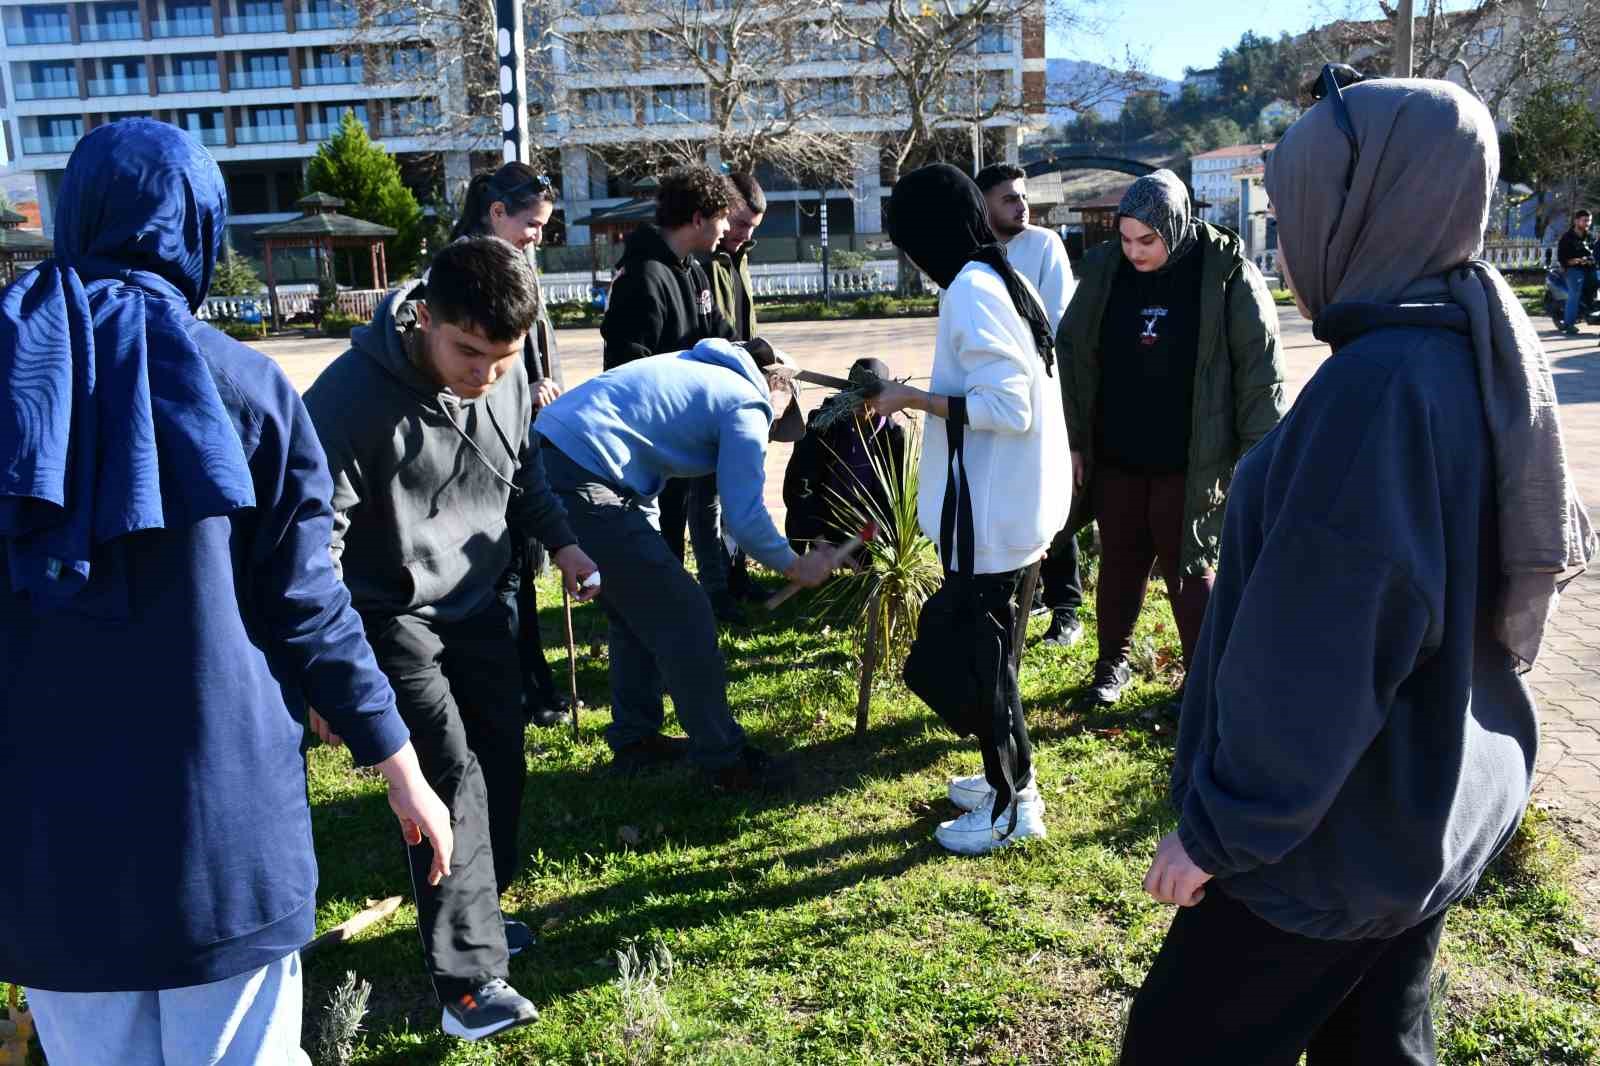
[1573, 247]
[817, 477]
[659, 303]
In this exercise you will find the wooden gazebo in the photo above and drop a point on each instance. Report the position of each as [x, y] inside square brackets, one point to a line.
[324, 230]
[20, 247]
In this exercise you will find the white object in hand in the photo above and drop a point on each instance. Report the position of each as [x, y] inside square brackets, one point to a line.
[592, 581]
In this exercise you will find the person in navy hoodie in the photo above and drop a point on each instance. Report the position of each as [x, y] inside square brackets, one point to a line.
[164, 582]
[1357, 742]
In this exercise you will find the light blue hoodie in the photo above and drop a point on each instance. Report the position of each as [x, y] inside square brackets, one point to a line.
[684, 414]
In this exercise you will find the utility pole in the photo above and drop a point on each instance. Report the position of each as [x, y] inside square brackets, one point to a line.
[822, 202]
[510, 42]
[1404, 23]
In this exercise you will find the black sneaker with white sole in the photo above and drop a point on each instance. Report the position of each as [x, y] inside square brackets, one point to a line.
[1065, 629]
[1110, 678]
[493, 1008]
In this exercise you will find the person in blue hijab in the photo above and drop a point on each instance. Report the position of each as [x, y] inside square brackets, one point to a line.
[166, 594]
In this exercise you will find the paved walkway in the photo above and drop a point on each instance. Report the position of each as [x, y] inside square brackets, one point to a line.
[1567, 677]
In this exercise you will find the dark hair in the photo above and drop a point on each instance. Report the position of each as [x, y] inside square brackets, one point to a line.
[1582, 212]
[485, 284]
[749, 188]
[686, 191]
[517, 185]
[995, 173]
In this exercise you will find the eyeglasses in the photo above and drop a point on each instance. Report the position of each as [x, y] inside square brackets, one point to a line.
[540, 181]
[1334, 78]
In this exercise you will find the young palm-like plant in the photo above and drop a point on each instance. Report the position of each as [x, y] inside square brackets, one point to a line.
[879, 603]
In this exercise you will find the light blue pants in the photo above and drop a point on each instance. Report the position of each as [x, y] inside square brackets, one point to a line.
[249, 1020]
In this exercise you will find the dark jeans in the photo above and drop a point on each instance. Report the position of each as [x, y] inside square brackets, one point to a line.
[519, 591]
[1581, 283]
[997, 594]
[1141, 522]
[457, 689]
[693, 502]
[662, 629]
[1061, 575]
[1228, 989]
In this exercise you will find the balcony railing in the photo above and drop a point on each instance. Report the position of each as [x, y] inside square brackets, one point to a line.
[187, 27]
[209, 135]
[273, 23]
[402, 16]
[38, 35]
[321, 131]
[189, 83]
[49, 145]
[119, 86]
[260, 79]
[46, 90]
[266, 134]
[111, 31]
[326, 18]
[331, 75]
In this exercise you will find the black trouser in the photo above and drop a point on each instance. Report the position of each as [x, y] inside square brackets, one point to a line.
[997, 594]
[1061, 574]
[457, 689]
[519, 590]
[1229, 988]
[692, 503]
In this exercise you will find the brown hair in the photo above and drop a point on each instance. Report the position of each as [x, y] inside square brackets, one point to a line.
[688, 191]
[517, 185]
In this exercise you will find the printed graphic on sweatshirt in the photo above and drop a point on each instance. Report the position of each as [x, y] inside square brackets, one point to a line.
[705, 301]
[1152, 317]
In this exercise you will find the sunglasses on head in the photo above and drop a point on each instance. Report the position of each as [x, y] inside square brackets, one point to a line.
[539, 181]
[1334, 78]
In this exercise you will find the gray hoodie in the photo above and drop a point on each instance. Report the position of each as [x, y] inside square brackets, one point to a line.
[423, 481]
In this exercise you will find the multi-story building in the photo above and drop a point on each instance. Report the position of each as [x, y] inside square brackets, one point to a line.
[1214, 176]
[644, 93]
[259, 82]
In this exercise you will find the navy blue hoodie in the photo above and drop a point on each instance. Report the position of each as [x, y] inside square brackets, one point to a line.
[1355, 745]
[165, 837]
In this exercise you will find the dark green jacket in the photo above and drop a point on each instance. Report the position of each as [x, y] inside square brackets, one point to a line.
[727, 273]
[1238, 378]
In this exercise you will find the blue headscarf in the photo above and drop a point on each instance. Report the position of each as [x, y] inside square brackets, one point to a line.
[110, 421]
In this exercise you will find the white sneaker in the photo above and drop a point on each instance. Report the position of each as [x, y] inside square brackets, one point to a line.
[975, 834]
[974, 793]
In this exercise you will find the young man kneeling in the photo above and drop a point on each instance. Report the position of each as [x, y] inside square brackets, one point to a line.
[425, 421]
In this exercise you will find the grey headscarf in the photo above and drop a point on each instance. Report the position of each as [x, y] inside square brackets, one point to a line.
[1407, 230]
[1161, 201]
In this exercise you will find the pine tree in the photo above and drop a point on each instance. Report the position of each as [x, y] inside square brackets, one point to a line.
[234, 276]
[367, 178]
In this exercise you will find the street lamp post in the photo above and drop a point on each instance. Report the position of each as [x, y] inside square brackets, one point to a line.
[510, 41]
[1404, 23]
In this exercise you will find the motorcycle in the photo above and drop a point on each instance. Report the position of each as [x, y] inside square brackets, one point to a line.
[1555, 299]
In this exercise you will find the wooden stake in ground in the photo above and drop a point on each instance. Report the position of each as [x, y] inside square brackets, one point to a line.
[572, 658]
[869, 666]
[371, 915]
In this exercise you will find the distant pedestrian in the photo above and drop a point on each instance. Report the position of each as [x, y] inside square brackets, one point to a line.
[1356, 744]
[164, 526]
[1171, 372]
[1039, 255]
[1576, 253]
[515, 203]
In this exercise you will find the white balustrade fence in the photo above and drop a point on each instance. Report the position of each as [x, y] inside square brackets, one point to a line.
[1518, 255]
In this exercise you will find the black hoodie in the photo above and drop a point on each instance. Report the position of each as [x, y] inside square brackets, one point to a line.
[659, 303]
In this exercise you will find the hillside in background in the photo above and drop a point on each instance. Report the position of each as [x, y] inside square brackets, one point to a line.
[1063, 78]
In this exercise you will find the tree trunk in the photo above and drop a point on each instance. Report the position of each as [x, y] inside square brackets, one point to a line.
[869, 666]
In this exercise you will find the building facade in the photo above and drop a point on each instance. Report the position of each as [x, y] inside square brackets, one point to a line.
[1214, 176]
[259, 82]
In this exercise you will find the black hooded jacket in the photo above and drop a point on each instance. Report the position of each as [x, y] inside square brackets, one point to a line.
[659, 303]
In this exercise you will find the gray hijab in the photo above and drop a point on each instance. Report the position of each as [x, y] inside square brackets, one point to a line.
[1161, 201]
[1410, 225]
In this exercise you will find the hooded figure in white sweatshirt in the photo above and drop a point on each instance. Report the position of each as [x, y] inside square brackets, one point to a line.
[993, 373]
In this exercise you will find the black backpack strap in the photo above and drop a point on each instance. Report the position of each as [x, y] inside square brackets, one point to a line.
[956, 529]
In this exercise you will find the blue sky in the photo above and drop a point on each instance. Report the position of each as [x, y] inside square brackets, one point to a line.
[1173, 34]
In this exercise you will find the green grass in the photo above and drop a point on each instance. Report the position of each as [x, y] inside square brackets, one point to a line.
[827, 927]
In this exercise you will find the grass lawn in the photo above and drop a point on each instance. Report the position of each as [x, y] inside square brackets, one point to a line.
[828, 927]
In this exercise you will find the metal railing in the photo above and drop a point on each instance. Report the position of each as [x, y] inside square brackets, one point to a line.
[210, 136]
[266, 134]
[335, 18]
[260, 79]
[111, 31]
[46, 90]
[350, 75]
[356, 303]
[189, 83]
[49, 145]
[38, 35]
[273, 23]
[119, 87]
[321, 131]
[191, 27]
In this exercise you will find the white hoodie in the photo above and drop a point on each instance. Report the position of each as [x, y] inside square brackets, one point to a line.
[1016, 436]
[1038, 255]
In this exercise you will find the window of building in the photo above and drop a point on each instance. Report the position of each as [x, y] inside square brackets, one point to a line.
[678, 103]
[994, 39]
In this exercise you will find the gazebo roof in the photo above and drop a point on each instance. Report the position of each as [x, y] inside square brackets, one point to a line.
[631, 212]
[16, 242]
[11, 218]
[319, 199]
[332, 225]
